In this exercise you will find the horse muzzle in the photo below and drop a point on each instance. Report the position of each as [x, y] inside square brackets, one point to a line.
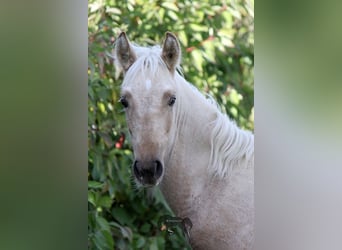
[148, 173]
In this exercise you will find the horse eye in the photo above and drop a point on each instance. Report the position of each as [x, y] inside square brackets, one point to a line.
[123, 101]
[171, 101]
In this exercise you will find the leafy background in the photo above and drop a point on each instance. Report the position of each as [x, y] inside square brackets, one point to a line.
[217, 42]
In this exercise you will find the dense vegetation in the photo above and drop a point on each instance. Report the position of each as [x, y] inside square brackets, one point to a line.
[217, 43]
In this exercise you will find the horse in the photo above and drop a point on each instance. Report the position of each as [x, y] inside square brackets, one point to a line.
[201, 160]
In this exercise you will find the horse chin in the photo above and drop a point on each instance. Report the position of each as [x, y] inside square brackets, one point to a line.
[148, 183]
[149, 186]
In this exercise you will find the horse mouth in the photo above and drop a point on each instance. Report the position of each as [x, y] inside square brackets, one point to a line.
[147, 181]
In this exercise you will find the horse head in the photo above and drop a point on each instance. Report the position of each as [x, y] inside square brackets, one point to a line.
[148, 95]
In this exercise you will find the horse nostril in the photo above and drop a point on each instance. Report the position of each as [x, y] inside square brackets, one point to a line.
[158, 169]
[138, 173]
[148, 172]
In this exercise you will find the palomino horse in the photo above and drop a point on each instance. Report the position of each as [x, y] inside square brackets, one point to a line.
[202, 161]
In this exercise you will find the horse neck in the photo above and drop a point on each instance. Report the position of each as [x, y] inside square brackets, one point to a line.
[186, 167]
[201, 128]
[206, 143]
[193, 120]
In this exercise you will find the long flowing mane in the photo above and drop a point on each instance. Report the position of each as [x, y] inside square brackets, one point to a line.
[231, 147]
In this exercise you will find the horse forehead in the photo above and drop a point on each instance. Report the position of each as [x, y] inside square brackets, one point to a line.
[149, 87]
[153, 85]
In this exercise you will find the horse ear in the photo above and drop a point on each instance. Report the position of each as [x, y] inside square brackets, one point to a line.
[124, 52]
[171, 53]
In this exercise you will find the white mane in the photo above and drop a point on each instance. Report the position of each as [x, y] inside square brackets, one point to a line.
[231, 147]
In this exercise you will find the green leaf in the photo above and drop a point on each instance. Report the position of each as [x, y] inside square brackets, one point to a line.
[91, 197]
[103, 240]
[122, 216]
[140, 242]
[154, 244]
[197, 59]
[95, 184]
[115, 11]
[145, 228]
[183, 38]
[170, 6]
[172, 15]
[198, 28]
[102, 223]
[105, 201]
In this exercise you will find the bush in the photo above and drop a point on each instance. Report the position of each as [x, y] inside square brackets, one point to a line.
[217, 42]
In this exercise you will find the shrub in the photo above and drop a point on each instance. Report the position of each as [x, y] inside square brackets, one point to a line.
[217, 43]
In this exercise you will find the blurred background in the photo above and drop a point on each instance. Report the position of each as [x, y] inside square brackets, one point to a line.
[217, 41]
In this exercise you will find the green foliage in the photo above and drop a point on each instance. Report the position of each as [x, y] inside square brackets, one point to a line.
[217, 42]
